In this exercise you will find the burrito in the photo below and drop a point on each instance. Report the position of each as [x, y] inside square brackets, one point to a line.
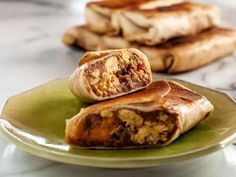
[101, 16]
[154, 26]
[153, 117]
[107, 74]
[191, 52]
[176, 55]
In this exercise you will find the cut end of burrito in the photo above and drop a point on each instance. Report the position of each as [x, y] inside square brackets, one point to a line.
[124, 127]
[125, 122]
[107, 74]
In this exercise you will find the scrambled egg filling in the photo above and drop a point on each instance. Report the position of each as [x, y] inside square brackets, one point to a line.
[143, 131]
[151, 133]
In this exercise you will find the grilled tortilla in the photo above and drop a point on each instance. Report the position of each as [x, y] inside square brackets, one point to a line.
[152, 117]
[174, 56]
[81, 36]
[107, 74]
[191, 52]
[154, 26]
[101, 16]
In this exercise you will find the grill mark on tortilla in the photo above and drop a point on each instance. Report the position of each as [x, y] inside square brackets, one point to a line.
[118, 4]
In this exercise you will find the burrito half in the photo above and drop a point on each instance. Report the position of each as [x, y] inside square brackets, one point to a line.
[107, 74]
[153, 117]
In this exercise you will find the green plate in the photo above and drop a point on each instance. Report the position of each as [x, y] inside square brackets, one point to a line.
[35, 121]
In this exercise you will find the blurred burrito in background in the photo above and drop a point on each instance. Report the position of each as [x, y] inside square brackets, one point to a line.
[176, 55]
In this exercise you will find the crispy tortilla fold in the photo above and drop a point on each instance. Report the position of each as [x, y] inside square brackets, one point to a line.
[154, 26]
[101, 16]
[152, 117]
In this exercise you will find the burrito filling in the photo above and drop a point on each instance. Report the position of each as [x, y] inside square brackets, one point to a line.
[127, 127]
[117, 73]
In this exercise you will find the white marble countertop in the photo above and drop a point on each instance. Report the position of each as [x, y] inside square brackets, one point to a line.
[31, 54]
